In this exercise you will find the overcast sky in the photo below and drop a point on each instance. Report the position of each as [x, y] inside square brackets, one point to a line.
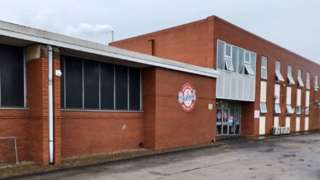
[293, 24]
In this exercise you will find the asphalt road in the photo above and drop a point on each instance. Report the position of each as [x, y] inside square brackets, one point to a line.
[293, 158]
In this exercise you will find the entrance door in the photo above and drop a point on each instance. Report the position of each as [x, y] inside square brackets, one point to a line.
[228, 120]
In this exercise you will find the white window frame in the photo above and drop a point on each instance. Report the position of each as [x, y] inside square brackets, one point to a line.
[228, 64]
[316, 83]
[289, 109]
[263, 97]
[264, 68]
[225, 50]
[247, 66]
[279, 76]
[300, 81]
[307, 102]
[277, 108]
[245, 60]
[308, 80]
[289, 74]
[263, 107]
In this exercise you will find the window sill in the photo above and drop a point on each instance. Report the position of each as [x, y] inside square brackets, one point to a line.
[93, 110]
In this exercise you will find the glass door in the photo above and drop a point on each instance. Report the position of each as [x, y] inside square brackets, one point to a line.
[228, 119]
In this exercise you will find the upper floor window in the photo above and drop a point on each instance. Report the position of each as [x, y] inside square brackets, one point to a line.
[228, 58]
[308, 80]
[316, 83]
[264, 68]
[235, 59]
[300, 81]
[11, 76]
[279, 76]
[247, 67]
[290, 77]
[89, 84]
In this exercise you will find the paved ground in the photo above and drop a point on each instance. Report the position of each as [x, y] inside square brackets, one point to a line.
[295, 157]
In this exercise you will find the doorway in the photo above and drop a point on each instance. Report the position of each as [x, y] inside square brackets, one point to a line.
[228, 118]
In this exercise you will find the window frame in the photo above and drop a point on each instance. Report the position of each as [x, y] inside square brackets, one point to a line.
[299, 78]
[289, 75]
[263, 108]
[225, 50]
[279, 77]
[289, 109]
[277, 108]
[264, 68]
[308, 84]
[100, 109]
[316, 83]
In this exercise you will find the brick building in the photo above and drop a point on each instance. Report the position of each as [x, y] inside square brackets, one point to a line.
[262, 89]
[62, 97]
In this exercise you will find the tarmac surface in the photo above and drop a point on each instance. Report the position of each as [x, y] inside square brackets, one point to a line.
[292, 158]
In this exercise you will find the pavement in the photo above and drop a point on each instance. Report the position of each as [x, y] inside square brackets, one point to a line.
[291, 157]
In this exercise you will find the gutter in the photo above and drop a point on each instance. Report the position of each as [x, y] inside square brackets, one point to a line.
[50, 105]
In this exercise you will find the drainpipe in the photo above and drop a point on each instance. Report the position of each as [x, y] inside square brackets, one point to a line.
[50, 105]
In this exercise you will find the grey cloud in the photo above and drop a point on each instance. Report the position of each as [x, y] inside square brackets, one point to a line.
[293, 24]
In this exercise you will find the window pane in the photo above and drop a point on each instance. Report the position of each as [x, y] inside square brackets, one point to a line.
[73, 82]
[228, 50]
[241, 59]
[121, 88]
[264, 68]
[308, 81]
[229, 65]
[12, 82]
[220, 55]
[235, 57]
[91, 84]
[107, 86]
[134, 89]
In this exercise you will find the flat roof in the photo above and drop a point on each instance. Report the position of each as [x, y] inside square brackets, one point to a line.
[58, 40]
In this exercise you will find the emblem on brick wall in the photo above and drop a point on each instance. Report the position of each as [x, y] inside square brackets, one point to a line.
[187, 97]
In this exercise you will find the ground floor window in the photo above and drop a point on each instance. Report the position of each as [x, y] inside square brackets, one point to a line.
[11, 76]
[88, 84]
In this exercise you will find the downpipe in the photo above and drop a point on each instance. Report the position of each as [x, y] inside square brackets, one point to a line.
[50, 105]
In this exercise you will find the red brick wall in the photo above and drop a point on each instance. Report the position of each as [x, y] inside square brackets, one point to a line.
[173, 127]
[195, 43]
[237, 36]
[14, 123]
[190, 43]
[88, 133]
[37, 80]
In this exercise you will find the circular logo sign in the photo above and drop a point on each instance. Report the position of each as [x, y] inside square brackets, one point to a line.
[187, 97]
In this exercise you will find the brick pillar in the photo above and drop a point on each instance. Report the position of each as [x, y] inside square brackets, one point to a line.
[37, 98]
[149, 106]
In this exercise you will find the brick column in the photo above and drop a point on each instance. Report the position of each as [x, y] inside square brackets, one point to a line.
[37, 98]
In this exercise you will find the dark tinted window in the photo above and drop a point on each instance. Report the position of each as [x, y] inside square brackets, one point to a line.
[73, 83]
[121, 87]
[91, 84]
[134, 89]
[107, 86]
[11, 76]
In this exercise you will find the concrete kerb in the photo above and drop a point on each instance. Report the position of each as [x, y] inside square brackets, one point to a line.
[85, 163]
